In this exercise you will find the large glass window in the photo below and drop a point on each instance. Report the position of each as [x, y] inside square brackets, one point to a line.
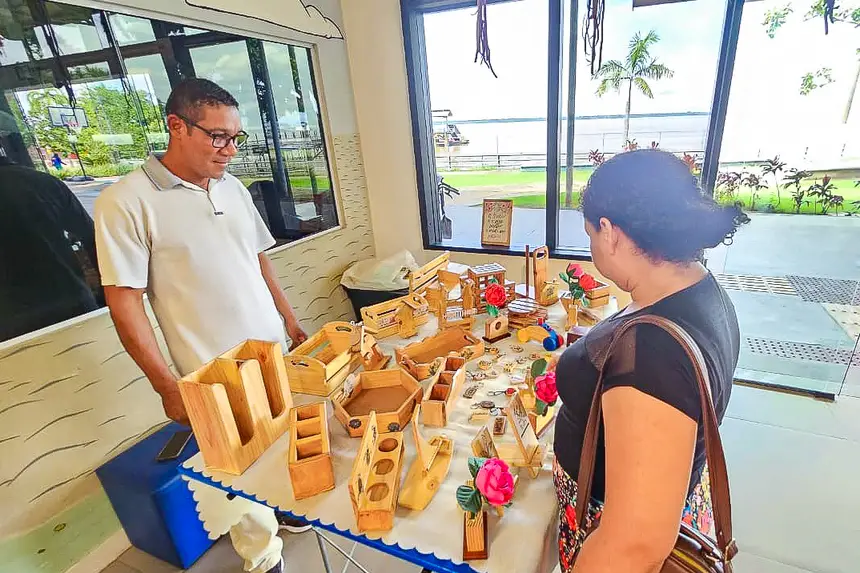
[790, 156]
[489, 133]
[83, 99]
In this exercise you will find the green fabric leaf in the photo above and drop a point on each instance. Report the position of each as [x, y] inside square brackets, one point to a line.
[475, 464]
[538, 367]
[492, 311]
[469, 499]
[540, 407]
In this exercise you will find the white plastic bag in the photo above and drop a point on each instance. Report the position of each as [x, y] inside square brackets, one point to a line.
[380, 274]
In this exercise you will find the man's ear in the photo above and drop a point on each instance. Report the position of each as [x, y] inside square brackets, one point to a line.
[174, 123]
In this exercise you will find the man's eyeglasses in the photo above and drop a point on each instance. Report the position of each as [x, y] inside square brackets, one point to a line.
[219, 140]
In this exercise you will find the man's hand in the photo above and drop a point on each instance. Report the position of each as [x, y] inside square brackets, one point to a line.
[173, 406]
[296, 334]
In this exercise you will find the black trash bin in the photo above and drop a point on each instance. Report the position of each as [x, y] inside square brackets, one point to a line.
[361, 297]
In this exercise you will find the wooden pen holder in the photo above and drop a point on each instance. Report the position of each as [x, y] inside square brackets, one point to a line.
[392, 394]
[238, 404]
[309, 457]
[374, 483]
[419, 358]
[319, 365]
[442, 391]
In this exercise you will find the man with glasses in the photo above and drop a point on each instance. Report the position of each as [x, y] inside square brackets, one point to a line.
[187, 233]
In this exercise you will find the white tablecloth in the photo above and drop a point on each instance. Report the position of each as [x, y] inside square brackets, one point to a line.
[516, 541]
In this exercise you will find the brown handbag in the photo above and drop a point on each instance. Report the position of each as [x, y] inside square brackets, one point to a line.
[693, 551]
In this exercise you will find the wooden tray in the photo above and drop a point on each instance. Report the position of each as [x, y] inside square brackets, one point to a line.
[392, 394]
[419, 358]
[319, 365]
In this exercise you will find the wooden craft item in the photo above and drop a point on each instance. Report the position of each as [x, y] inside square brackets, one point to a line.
[500, 424]
[475, 545]
[396, 316]
[598, 296]
[319, 365]
[425, 276]
[532, 333]
[532, 453]
[497, 217]
[428, 470]
[576, 333]
[546, 292]
[483, 445]
[443, 389]
[456, 311]
[496, 329]
[309, 458]
[529, 319]
[364, 344]
[374, 483]
[481, 275]
[392, 394]
[419, 358]
[238, 404]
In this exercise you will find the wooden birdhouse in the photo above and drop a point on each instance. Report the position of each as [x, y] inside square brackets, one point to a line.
[401, 316]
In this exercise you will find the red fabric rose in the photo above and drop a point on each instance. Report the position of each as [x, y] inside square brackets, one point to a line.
[574, 270]
[587, 282]
[495, 294]
[545, 388]
[495, 482]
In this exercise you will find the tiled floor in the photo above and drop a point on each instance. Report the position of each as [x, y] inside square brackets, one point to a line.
[794, 465]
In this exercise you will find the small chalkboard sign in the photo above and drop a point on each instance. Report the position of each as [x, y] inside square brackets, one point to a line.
[496, 222]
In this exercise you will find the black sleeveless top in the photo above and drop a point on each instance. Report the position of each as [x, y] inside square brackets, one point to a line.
[650, 360]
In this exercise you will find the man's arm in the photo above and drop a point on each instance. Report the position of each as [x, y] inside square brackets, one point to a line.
[281, 303]
[138, 339]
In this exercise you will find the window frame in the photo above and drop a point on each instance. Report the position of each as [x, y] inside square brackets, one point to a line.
[412, 14]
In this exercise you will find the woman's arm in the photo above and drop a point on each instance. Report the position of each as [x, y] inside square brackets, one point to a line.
[649, 456]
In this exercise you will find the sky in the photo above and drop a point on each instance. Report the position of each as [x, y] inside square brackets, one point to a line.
[767, 71]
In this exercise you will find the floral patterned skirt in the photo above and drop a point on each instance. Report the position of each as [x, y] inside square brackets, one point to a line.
[698, 513]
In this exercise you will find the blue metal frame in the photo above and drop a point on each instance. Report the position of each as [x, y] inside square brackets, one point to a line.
[722, 87]
[426, 560]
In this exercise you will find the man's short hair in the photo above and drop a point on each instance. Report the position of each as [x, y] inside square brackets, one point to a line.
[190, 95]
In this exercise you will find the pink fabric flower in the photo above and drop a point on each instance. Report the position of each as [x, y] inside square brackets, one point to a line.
[546, 388]
[495, 482]
[574, 270]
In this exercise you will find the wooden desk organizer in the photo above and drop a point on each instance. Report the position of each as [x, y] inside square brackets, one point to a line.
[374, 483]
[320, 364]
[428, 470]
[392, 394]
[238, 404]
[419, 358]
[401, 316]
[442, 391]
[310, 463]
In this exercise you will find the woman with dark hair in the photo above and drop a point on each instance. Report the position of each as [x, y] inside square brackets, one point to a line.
[649, 224]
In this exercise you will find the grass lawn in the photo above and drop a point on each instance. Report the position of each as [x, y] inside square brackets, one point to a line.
[469, 179]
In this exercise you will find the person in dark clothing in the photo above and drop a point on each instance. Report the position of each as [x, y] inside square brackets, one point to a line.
[46, 237]
[649, 224]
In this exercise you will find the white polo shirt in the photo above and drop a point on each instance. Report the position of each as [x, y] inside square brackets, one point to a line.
[195, 253]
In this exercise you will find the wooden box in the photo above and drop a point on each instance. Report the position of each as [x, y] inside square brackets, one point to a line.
[392, 394]
[481, 274]
[319, 365]
[425, 276]
[598, 296]
[442, 391]
[374, 483]
[382, 320]
[238, 404]
[419, 358]
[310, 463]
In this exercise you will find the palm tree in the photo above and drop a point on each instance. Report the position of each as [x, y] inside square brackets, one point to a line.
[638, 67]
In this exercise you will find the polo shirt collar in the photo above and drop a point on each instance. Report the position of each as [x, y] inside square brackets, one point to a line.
[163, 178]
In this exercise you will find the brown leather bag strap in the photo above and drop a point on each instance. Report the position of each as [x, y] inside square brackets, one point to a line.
[713, 445]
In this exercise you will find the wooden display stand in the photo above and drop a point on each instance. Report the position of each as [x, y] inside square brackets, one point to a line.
[481, 276]
[238, 404]
[443, 390]
[402, 315]
[423, 277]
[475, 543]
[374, 483]
[392, 394]
[428, 470]
[496, 329]
[527, 452]
[455, 311]
[309, 461]
[419, 358]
